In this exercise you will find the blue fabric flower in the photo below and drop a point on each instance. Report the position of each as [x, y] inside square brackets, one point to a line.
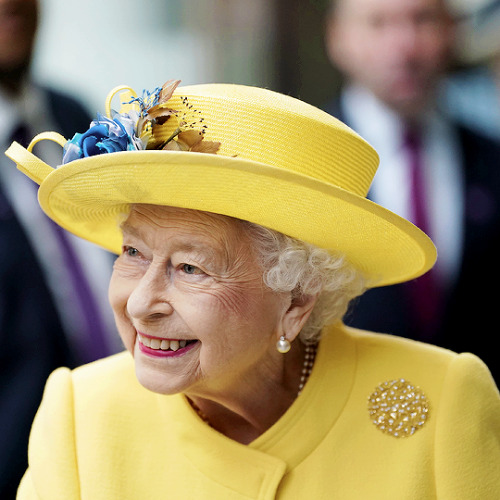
[105, 135]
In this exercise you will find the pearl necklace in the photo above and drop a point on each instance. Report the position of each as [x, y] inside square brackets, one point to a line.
[307, 366]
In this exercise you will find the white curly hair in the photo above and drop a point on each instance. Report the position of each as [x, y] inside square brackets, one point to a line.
[292, 265]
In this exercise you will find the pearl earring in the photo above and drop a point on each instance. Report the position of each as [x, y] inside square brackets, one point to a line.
[283, 345]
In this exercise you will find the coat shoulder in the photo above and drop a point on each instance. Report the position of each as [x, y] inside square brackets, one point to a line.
[105, 381]
[389, 357]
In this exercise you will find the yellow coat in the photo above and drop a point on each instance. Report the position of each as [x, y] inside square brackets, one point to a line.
[99, 435]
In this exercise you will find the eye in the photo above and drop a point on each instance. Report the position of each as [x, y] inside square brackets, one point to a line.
[190, 269]
[131, 251]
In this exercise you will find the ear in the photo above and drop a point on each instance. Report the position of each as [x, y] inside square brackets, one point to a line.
[296, 316]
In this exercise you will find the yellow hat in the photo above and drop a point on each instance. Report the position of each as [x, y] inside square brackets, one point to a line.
[279, 162]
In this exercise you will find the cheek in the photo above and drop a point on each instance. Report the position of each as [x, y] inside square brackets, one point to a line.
[233, 301]
[244, 313]
[435, 51]
[364, 60]
[118, 294]
[242, 304]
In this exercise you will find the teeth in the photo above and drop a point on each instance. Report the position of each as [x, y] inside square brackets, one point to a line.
[145, 341]
[164, 345]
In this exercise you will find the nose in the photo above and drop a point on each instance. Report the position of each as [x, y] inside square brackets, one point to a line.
[151, 297]
[405, 39]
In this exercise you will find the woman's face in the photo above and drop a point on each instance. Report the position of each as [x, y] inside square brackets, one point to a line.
[189, 301]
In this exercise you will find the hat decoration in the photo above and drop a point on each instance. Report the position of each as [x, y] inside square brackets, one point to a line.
[236, 150]
[154, 126]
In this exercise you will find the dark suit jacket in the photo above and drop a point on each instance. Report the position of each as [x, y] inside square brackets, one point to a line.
[468, 319]
[32, 340]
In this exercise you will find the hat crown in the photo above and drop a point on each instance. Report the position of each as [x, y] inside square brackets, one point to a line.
[280, 131]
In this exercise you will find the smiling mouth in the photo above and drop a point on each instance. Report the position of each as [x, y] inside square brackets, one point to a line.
[163, 344]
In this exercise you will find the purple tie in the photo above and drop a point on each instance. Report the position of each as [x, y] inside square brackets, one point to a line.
[412, 144]
[92, 344]
[424, 293]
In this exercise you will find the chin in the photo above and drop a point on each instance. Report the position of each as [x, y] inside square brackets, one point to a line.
[408, 103]
[408, 106]
[156, 382]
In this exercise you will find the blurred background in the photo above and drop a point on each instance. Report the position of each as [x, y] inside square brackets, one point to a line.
[88, 48]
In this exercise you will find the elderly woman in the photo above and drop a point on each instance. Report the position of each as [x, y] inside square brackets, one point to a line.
[243, 232]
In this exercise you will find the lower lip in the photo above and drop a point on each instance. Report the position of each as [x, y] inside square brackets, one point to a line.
[158, 353]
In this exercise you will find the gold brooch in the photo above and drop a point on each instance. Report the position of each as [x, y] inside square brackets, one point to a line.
[398, 408]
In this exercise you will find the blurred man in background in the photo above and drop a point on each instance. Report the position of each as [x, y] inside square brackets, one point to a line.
[443, 177]
[43, 323]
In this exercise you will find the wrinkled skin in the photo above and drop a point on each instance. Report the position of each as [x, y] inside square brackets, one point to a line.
[191, 276]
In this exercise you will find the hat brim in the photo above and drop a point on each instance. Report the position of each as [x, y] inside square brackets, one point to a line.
[88, 196]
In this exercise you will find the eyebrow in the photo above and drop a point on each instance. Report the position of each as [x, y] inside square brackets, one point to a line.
[177, 246]
[130, 230]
